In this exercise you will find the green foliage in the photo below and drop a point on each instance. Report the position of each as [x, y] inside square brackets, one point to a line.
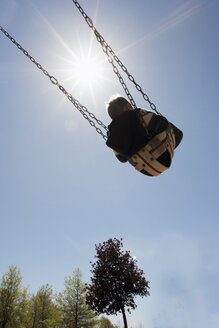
[43, 312]
[68, 309]
[72, 302]
[13, 300]
[105, 323]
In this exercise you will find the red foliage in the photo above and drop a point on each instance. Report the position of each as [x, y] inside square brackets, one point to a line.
[116, 279]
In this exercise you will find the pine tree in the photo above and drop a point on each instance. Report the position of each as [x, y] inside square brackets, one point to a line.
[13, 300]
[43, 311]
[72, 301]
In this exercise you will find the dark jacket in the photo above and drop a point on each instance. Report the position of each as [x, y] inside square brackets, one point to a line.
[126, 135]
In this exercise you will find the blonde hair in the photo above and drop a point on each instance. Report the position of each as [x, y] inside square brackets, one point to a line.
[115, 106]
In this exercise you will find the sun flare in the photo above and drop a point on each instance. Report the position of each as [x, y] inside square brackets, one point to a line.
[86, 70]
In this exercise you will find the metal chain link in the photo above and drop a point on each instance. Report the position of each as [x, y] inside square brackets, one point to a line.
[116, 71]
[110, 53]
[82, 109]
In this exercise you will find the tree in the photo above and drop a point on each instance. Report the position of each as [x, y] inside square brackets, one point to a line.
[13, 300]
[72, 301]
[105, 323]
[116, 280]
[43, 311]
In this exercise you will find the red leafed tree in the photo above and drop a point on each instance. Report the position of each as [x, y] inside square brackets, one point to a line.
[116, 280]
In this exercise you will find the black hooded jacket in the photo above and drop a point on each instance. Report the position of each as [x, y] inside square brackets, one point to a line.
[126, 134]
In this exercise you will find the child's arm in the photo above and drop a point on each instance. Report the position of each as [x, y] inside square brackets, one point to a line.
[178, 134]
[120, 157]
[159, 123]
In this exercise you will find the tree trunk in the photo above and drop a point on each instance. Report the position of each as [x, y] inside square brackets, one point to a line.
[124, 318]
[76, 311]
[35, 318]
[3, 324]
[5, 321]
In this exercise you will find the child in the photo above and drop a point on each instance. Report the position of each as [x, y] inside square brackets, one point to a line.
[141, 137]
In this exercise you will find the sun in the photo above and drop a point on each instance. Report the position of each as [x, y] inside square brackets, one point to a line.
[86, 69]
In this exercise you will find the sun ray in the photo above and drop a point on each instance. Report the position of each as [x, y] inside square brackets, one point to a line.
[54, 32]
[178, 16]
[63, 100]
[92, 96]
[92, 38]
[84, 66]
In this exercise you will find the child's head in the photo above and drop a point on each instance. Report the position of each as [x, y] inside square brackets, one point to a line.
[117, 105]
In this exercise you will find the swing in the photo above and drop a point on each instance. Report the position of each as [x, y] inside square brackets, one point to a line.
[154, 155]
[100, 127]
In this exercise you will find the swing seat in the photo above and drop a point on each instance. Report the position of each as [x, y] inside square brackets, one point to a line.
[147, 141]
[156, 157]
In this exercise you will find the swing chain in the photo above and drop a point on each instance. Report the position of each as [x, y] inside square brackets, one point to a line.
[116, 71]
[110, 53]
[82, 109]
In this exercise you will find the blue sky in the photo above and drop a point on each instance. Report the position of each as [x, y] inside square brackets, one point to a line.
[62, 190]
